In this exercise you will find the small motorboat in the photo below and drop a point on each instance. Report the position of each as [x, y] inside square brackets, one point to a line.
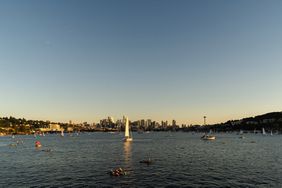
[208, 137]
[37, 144]
[148, 161]
[46, 150]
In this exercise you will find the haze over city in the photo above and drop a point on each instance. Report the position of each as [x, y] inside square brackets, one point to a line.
[161, 60]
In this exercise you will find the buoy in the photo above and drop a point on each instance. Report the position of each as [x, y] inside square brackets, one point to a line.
[38, 144]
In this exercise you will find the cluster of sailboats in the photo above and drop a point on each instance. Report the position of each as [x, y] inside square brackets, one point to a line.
[264, 133]
[210, 136]
[62, 134]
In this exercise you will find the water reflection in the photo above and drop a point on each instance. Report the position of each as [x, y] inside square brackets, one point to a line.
[127, 154]
[128, 166]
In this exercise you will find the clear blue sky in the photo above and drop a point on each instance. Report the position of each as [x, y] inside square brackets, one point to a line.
[159, 59]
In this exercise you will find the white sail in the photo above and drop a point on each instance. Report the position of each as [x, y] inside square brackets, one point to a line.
[126, 128]
[127, 134]
[263, 131]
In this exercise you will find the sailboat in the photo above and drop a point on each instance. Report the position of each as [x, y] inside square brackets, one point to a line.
[263, 131]
[241, 134]
[62, 133]
[127, 133]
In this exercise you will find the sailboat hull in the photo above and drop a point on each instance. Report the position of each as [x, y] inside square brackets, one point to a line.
[208, 137]
[128, 139]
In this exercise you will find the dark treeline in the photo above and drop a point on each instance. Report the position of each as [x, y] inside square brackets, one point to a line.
[20, 125]
[10, 121]
[270, 122]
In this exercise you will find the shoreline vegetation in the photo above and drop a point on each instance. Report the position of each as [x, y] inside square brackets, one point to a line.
[271, 122]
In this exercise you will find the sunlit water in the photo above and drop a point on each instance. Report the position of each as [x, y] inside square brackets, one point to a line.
[180, 160]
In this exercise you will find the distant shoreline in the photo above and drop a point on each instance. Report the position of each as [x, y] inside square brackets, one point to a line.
[271, 122]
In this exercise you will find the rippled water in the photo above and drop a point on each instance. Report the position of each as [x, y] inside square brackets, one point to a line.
[180, 160]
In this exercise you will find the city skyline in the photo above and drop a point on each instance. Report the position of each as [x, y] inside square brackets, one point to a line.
[160, 60]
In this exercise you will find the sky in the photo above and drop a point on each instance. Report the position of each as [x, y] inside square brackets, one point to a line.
[146, 59]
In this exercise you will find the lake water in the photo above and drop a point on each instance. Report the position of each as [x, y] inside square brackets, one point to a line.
[180, 160]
